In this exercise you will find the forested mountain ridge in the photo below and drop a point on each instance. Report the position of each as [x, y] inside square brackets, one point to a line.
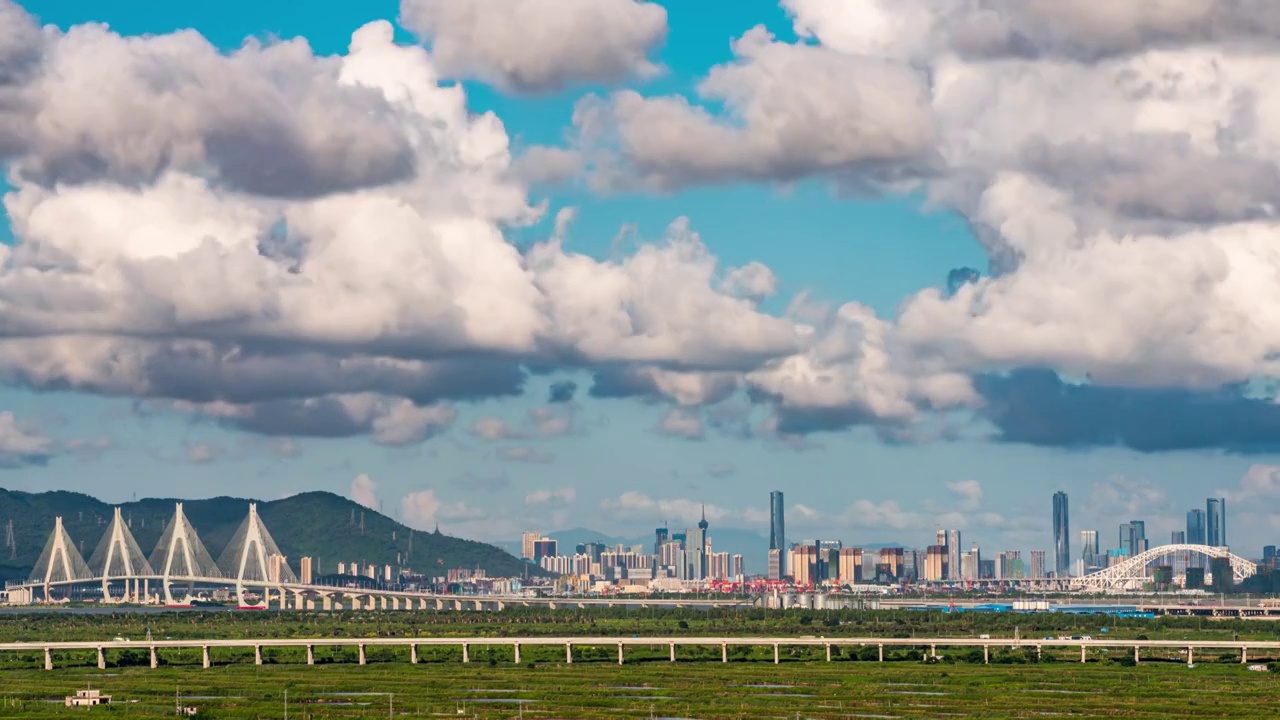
[327, 527]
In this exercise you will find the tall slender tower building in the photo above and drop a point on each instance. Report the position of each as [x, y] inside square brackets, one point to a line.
[1215, 512]
[777, 531]
[1061, 536]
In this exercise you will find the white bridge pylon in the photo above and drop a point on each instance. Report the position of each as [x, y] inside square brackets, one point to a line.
[119, 557]
[59, 562]
[253, 556]
[1132, 573]
[179, 553]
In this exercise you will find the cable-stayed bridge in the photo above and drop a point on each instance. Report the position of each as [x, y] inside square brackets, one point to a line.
[252, 563]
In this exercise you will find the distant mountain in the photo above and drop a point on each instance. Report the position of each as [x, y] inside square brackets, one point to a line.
[322, 525]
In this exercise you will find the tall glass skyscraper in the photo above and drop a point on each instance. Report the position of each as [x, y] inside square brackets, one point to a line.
[1215, 510]
[777, 531]
[1061, 536]
[1195, 527]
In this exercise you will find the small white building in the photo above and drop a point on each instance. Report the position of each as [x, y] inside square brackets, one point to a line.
[86, 698]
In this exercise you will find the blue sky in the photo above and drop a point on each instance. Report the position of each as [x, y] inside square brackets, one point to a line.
[829, 236]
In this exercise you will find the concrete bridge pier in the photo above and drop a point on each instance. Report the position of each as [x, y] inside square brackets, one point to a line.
[882, 653]
[362, 653]
[154, 660]
[466, 653]
[828, 652]
[568, 653]
[1190, 655]
[257, 654]
[1136, 658]
[1083, 656]
[311, 655]
[326, 602]
[413, 653]
[517, 648]
[102, 659]
[776, 657]
[933, 652]
[673, 652]
[48, 659]
[724, 652]
[986, 654]
[205, 660]
[619, 653]
[1244, 655]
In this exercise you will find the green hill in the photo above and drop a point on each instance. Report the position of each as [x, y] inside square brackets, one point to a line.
[322, 525]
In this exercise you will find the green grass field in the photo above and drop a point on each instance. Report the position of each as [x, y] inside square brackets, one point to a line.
[683, 690]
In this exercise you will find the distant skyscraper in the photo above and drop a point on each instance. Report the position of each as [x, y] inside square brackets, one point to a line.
[1195, 527]
[307, 574]
[527, 541]
[1133, 537]
[1061, 536]
[775, 564]
[1037, 564]
[1179, 537]
[1216, 522]
[954, 571]
[777, 531]
[660, 536]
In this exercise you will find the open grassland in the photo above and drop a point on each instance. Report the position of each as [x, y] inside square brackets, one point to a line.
[660, 689]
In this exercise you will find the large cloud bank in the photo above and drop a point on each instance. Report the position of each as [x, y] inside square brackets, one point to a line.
[1119, 160]
[303, 245]
[295, 244]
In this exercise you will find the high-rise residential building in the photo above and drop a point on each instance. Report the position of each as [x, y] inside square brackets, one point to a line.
[1061, 535]
[306, 574]
[1216, 522]
[849, 567]
[1037, 564]
[802, 561]
[893, 558]
[935, 562]
[969, 565]
[1009, 566]
[777, 531]
[342, 568]
[276, 565]
[736, 567]
[953, 554]
[527, 539]
[775, 564]
[1178, 537]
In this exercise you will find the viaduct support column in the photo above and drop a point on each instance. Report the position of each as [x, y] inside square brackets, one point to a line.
[1191, 655]
[257, 654]
[413, 653]
[1083, 656]
[776, 657]
[619, 653]
[311, 654]
[568, 652]
[102, 659]
[361, 653]
[986, 654]
[1244, 655]
[204, 652]
[517, 649]
[673, 652]
[466, 653]
[1136, 658]
[154, 660]
[882, 653]
[724, 652]
[828, 653]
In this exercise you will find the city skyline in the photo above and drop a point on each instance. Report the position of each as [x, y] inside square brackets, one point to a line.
[483, 285]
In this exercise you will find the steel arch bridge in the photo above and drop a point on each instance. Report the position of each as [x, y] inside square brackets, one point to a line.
[1132, 573]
